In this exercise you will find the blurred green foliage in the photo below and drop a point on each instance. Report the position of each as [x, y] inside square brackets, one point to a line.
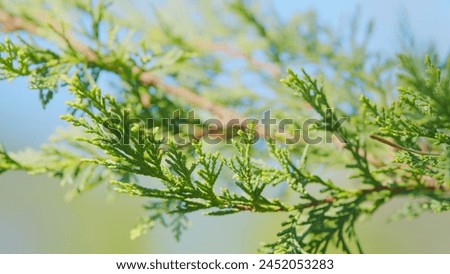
[395, 144]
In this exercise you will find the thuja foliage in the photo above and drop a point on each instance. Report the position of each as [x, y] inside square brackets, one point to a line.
[390, 144]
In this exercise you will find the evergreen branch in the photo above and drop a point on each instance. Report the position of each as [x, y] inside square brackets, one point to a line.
[147, 78]
[268, 68]
[14, 23]
[394, 145]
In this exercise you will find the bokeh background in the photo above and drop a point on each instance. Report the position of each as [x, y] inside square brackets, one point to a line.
[35, 218]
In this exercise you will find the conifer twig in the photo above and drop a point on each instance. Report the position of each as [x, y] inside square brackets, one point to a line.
[397, 146]
[15, 23]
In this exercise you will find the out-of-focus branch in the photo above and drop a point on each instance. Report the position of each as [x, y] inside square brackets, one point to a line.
[190, 97]
[15, 23]
[397, 146]
[268, 68]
